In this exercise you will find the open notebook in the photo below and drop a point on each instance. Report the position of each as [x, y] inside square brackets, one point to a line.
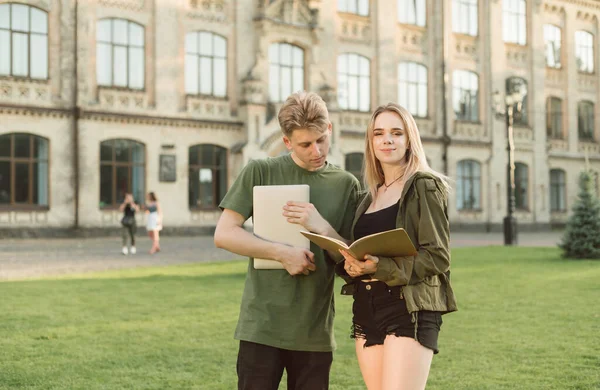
[269, 222]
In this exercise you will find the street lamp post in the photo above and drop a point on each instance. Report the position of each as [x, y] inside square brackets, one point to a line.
[512, 102]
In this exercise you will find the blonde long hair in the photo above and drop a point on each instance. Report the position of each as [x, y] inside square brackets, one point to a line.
[415, 154]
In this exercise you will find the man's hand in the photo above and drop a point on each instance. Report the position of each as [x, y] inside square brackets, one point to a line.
[355, 267]
[305, 214]
[297, 261]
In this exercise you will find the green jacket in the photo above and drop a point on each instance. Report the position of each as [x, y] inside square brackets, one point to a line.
[423, 213]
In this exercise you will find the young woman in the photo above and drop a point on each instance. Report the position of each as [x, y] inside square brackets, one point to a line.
[398, 302]
[129, 208]
[153, 221]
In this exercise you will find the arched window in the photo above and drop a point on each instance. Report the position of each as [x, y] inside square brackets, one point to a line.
[412, 12]
[120, 51]
[207, 176]
[286, 71]
[23, 170]
[558, 190]
[464, 17]
[205, 64]
[465, 91]
[553, 41]
[354, 163]
[514, 22]
[514, 84]
[122, 170]
[359, 7]
[354, 82]
[585, 120]
[23, 41]
[412, 88]
[468, 185]
[521, 186]
[584, 51]
[554, 118]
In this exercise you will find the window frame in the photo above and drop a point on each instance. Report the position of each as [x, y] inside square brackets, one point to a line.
[551, 32]
[417, 85]
[473, 177]
[280, 98]
[348, 161]
[420, 11]
[580, 131]
[120, 164]
[584, 49]
[31, 161]
[558, 189]
[465, 26]
[216, 170]
[519, 118]
[358, 10]
[213, 58]
[514, 11]
[111, 43]
[521, 186]
[554, 117]
[358, 77]
[28, 33]
[468, 77]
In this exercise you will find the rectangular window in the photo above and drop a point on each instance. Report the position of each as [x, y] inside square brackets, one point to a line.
[584, 51]
[552, 38]
[514, 21]
[464, 17]
[412, 12]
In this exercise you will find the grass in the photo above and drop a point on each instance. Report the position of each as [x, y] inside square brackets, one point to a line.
[527, 319]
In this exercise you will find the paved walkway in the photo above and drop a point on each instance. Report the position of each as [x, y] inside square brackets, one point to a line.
[32, 258]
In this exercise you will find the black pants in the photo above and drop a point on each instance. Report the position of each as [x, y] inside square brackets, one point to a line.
[260, 367]
[129, 231]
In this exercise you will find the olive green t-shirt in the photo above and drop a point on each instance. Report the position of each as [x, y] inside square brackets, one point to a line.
[277, 309]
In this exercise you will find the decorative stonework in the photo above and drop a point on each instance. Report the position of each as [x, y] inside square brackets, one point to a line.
[589, 148]
[516, 56]
[586, 16]
[354, 121]
[466, 49]
[209, 124]
[412, 39]
[29, 92]
[208, 217]
[209, 10]
[291, 12]
[468, 130]
[206, 107]
[554, 8]
[557, 145]
[26, 218]
[355, 29]
[134, 5]
[523, 134]
[587, 82]
[555, 77]
[122, 100]
[470, 215]
[426, 126]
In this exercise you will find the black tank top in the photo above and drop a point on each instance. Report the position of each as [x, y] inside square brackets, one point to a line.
[379, 221]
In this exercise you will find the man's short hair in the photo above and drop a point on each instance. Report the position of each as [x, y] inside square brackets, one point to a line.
[303, 110]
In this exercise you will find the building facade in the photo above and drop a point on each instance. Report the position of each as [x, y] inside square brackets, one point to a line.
[103, 97]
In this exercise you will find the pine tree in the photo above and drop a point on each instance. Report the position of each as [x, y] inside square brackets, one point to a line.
[582, 235]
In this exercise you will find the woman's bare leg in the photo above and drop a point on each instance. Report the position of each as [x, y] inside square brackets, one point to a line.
[406, 364]
[370, 361]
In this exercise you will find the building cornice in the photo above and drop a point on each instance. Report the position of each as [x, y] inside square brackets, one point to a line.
[128, 118]
[15, 109]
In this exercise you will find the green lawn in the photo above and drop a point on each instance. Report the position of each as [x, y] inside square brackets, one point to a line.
[527, 319]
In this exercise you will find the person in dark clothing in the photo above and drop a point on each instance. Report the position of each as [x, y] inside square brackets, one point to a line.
[129, 207]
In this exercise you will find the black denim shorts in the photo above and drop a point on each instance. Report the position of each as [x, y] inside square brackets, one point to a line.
[380, 310]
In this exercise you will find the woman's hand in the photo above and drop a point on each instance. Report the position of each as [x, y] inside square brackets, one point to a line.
[305, 214]
[356, 268]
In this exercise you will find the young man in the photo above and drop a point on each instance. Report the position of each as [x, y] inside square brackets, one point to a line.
[286, 316]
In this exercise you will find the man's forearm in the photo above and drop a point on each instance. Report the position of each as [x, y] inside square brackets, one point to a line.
[240, 241]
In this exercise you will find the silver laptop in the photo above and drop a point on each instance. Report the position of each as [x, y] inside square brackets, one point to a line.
[269, 222]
